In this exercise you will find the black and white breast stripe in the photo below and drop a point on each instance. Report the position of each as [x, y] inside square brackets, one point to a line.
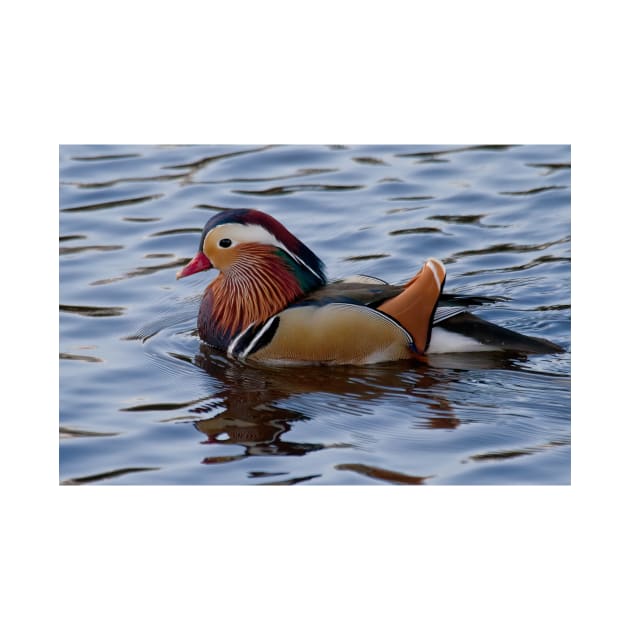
[253, 338]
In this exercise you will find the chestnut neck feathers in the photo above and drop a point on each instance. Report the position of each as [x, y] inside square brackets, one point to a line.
[263, 280]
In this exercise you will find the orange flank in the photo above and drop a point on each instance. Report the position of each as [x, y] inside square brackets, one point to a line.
[413, 308]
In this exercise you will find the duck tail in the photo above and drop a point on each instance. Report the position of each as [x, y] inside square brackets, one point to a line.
[413, 309]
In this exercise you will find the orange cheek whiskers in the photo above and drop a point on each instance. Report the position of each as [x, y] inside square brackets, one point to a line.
[257, 286]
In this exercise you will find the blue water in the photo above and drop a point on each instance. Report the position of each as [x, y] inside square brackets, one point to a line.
[143, 402]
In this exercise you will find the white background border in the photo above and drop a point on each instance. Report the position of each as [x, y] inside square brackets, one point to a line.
[327, 72]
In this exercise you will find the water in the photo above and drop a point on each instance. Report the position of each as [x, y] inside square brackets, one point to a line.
[143, 402]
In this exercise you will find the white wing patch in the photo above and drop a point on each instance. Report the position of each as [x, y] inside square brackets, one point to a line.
[446, 312]
[445, 341]
[361, 279]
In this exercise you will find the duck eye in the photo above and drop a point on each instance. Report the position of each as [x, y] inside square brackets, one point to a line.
[225, 242]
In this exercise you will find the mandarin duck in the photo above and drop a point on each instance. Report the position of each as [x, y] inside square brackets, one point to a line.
[272, 303]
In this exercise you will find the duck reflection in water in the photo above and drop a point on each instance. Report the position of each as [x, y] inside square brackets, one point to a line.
[255, 407]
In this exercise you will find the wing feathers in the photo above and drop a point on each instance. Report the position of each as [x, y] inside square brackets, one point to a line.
[342, 332]
[333, 333]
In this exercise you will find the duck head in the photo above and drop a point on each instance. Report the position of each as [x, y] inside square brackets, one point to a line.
[235, 241]
[262, 267]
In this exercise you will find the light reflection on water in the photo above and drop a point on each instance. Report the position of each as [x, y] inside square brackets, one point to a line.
[143, 402]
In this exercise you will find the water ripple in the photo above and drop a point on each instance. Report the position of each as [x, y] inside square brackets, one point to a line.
[94, 158]
[459, 218]
[141, 271]
[449, 151]
[123, 180]
[301, 172]
[89, 248]
[534, 191]
[201, 163]
[552, 167]
[500, 248]
[518, 452]
[110, 474]
[93, 311]
[382, 474]
[416, 230]
[80, 357]
[111, 204]
[289, 190]
[370, 160]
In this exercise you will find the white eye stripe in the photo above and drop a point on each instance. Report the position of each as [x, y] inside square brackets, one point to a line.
[249, 233]
[245, 234]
